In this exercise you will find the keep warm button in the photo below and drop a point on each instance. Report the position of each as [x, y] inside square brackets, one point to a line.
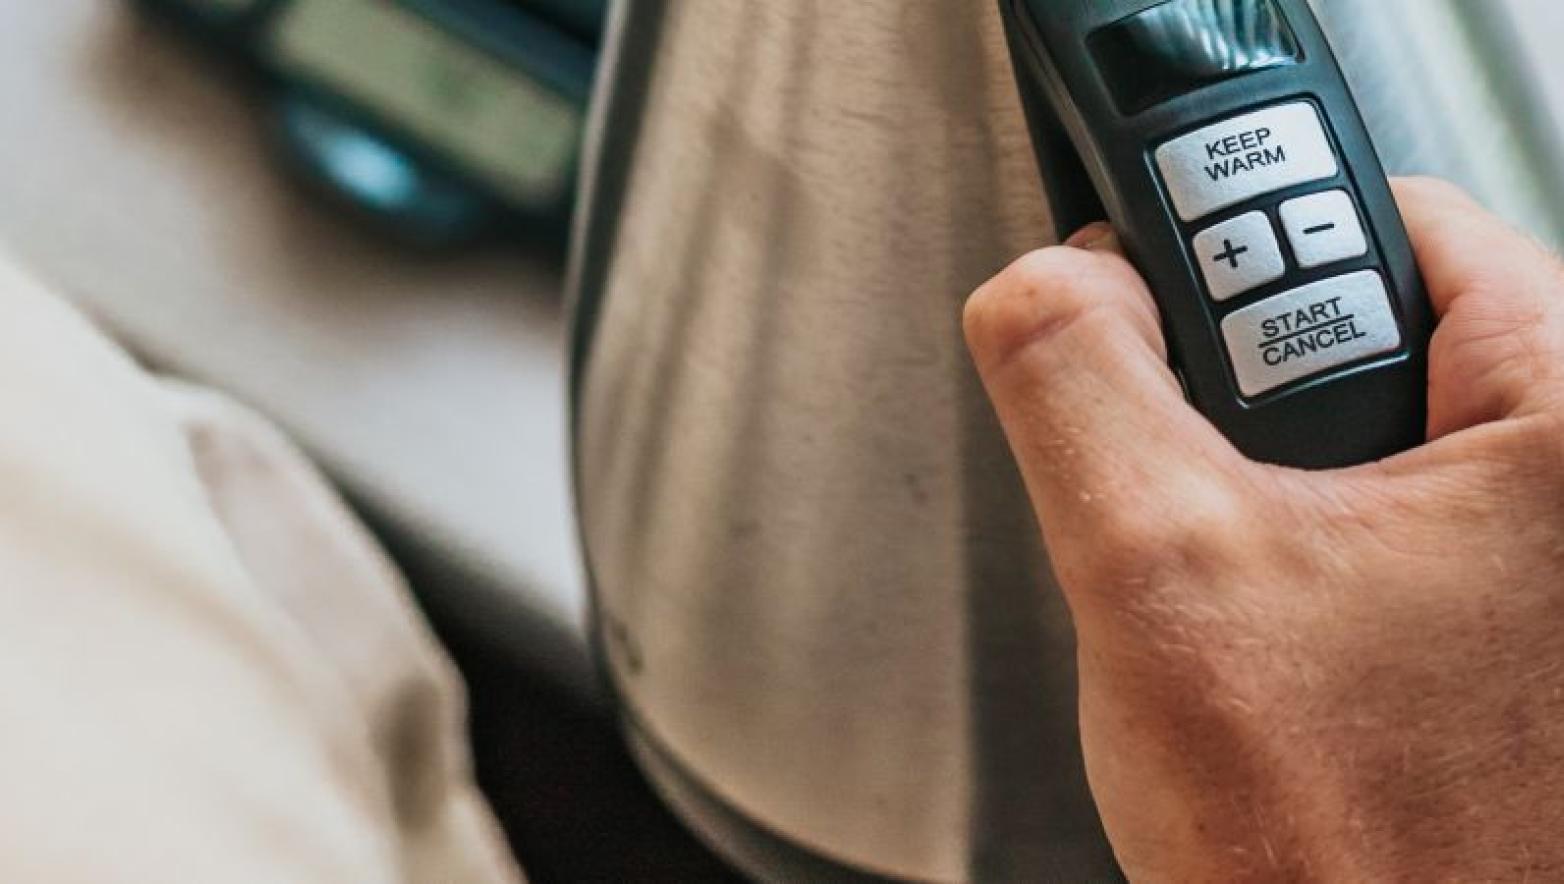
[1241, 158]
[1310, 330]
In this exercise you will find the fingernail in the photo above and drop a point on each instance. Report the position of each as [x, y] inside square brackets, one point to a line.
[1090, 236]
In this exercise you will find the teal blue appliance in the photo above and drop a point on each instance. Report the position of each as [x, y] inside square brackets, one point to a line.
[438, 119]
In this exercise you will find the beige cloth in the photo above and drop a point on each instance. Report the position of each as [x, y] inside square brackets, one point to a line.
[208, 670]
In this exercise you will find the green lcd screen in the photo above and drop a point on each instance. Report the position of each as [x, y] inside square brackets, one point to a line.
[490, 117]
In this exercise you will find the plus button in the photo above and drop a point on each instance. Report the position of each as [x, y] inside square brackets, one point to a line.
[1237, 256]
[1231, 253]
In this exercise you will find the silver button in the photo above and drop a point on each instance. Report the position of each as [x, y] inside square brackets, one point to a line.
[1310, 330]
[1239, 159]
[1323, 228]
[1239, 255]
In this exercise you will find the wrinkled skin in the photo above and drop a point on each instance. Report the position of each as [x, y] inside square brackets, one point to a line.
[1340, 676]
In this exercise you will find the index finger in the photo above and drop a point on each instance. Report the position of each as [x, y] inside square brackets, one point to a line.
[1463, 248]
[1499, 348]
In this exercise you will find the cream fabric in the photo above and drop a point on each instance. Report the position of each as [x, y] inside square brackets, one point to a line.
[208, 671]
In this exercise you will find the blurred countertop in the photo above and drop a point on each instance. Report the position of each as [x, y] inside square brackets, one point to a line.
[138, 178]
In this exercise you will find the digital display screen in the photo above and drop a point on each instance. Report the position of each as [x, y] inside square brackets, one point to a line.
[1183, 45]
[491, 118]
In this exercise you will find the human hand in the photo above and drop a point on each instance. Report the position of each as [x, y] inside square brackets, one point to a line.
[1355, 675]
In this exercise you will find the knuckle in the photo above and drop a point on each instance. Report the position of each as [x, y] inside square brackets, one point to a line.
[994, 316]
[1184, 591]
[1049, 269]
[1132, 550]
[1532, 452]
[1509, 466]
[1501, 334]
[1141, 548]
[1035, 301]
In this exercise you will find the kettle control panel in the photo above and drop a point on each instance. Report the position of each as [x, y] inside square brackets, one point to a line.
[1299, 332]
[1222, 141]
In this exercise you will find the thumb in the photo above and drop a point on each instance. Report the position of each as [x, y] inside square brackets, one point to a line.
[1069, 345]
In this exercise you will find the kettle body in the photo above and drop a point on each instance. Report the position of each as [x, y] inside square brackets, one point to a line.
[819, 587]
[819, 592]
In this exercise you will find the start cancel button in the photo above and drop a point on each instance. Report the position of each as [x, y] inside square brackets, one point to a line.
[1241, 158]
[1310, 330]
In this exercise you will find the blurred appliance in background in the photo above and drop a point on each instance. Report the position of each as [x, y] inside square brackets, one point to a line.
[438, 119]
[819, 590]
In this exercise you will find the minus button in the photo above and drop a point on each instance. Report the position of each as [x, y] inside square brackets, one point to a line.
[1323, 228]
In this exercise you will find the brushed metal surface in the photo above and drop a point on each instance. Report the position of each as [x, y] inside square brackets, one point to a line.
[1458, 90]
[817, 573]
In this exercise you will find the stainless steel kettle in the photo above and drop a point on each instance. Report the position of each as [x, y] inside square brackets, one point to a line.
[819, 594]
